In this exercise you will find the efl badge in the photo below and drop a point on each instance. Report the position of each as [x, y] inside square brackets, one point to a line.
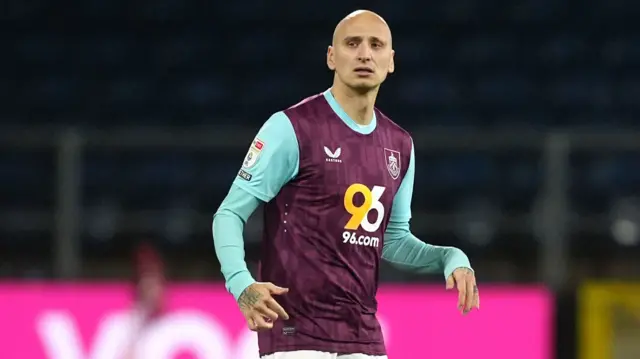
[253, 154]
[392, 159]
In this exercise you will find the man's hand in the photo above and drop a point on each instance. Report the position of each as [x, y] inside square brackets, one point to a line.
[258, 306]
[468, 295]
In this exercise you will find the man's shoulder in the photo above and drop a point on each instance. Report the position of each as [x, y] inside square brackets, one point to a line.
[274, 133]
[277, 122]
[308, 101]
[391, 125]
[309, 107]
[285, 115]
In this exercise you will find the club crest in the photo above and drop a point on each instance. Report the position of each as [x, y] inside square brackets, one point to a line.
[392, 159]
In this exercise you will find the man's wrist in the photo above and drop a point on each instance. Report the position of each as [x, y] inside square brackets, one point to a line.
[455, 259]
[239, 283]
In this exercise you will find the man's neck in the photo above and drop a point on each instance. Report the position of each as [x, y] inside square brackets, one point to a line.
[358, 106]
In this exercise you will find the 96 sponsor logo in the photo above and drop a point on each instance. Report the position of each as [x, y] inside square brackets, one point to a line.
[360, 240]
[359, 215]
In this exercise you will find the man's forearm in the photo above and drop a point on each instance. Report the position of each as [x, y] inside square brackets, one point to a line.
[228, 228]
[403, 250]
[229, 246]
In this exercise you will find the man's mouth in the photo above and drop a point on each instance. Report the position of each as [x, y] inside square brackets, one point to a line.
[363, 70]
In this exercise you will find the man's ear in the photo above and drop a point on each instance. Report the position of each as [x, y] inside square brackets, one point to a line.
[331, 64]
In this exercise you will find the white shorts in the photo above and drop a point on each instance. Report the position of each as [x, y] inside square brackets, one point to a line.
[312, 354]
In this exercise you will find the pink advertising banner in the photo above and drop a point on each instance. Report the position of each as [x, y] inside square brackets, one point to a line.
[94, 321]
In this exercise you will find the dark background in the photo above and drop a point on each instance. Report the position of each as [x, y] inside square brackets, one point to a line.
[127, 121]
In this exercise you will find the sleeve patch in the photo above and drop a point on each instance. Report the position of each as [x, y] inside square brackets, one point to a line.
[245, 175]
[253, 154]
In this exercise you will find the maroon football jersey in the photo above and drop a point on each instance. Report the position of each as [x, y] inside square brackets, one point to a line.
[324, 232]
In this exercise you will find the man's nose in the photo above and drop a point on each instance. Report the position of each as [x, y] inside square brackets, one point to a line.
[364, 54]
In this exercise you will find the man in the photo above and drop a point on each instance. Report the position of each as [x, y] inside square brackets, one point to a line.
[337, 178]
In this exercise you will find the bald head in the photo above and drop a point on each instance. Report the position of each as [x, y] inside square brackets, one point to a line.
[361, 54]
[361, 19]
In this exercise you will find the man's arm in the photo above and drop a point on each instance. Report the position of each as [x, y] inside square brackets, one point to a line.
[403, 250]
[271, 162]
[228, 226]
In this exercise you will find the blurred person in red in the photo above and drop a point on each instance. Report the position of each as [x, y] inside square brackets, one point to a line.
[149, 282]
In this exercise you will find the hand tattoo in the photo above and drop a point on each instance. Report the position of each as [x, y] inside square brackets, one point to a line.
[248, 298]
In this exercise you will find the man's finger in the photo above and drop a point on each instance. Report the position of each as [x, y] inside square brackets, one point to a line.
[266, 311]
[450, 282]
[476, 295]
[261, 323]
[252, 324]
[462, 293]
[273, 305]
[274, 289]
[470, 295]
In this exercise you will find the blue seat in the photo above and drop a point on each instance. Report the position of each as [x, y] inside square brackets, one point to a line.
[614, 10]
[163, 171]
[41, 49]
[627, 93]
[457, 172]
[522, 174]
[536, 11]
[54, 92]
[503, 91]
[199, 92]
[259, 11]
[100, 9]
[595, 179]
[418, 51]
[430, 90]
[243, 53]
[485, 50]
[163, 10]
[621, 51]
[563, 50]
[600, 174]
[628, 172]
[458, 11]
[184, 51]
[528, 117]
[107, 54]
[26, 178]
[129, 91]
[582, 91]
[447, 118]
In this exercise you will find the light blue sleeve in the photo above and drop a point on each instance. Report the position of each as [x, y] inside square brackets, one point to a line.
[271, 162]
[401, 208]
[404, 250]
[228, 227]
[272, 159]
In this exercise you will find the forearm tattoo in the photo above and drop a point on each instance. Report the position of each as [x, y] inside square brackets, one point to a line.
[249, 298]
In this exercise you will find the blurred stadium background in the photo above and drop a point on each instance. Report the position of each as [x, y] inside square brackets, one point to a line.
[127, 121]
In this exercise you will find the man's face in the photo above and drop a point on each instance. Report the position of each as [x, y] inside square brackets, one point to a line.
[361, 54]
